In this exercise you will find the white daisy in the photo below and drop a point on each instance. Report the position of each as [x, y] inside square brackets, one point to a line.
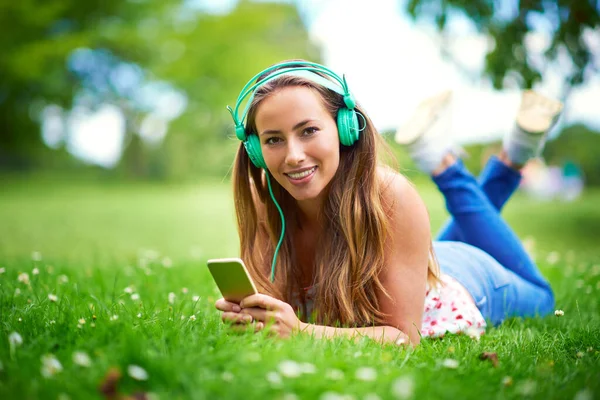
[15, 339]
[334, 375]
[81, 358]
[308, 368]
[403, 387]
[23, 278]
[330, 395]
[527, 387]
[50, 366]
[289, 369]
[166, 262]
[274, 379]
[137, 372]
[227, 376]
[450, 363]
[366, 374]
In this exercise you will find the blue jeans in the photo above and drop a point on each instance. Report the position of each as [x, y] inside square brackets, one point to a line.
[478, 249]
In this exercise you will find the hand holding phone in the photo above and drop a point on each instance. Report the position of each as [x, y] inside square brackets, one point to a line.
[232, 278]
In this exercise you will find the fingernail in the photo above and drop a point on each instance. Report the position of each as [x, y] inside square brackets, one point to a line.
[236, 308]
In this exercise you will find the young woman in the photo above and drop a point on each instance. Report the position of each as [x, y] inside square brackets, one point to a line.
[355, 255]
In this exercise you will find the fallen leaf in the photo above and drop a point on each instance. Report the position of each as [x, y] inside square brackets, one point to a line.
[109, 389]
[493, 357]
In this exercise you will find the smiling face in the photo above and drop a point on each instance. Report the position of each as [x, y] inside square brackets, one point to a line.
[299, 141]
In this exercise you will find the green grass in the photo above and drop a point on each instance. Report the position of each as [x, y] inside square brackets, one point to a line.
[106, 237]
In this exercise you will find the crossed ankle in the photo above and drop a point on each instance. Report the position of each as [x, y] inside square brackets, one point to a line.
[448, 160]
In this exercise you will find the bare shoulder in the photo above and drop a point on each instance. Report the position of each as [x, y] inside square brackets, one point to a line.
[398, 193]
[407, 214]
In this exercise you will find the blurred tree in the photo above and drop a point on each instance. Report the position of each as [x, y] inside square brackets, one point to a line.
[36, 38]
[508, 23]
[64, 52]
[211, 57]
[577, 144]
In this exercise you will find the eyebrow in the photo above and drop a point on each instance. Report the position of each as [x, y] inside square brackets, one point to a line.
[297, 126]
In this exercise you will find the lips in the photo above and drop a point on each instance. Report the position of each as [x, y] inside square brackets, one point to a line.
[302, 173]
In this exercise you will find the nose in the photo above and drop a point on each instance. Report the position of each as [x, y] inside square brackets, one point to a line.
[295, 153]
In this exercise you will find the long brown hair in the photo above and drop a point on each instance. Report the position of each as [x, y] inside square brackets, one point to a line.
[349, 257]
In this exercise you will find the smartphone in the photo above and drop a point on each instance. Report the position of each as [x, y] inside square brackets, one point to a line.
[232, 278]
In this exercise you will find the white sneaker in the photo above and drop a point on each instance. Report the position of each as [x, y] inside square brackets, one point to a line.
[425, 134]
[536, 116]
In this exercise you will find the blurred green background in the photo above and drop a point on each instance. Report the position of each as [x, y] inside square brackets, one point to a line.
[147, 81]
[116, 149]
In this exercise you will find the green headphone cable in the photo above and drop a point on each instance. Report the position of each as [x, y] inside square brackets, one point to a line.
[282, 228]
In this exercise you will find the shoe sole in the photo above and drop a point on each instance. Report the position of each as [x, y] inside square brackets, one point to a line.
[537, 113]
[426, 114]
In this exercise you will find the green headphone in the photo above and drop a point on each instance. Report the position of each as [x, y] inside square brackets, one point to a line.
[347, 121]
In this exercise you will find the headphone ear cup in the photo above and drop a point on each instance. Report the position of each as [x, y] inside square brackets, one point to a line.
[252, 145]
[347, 124]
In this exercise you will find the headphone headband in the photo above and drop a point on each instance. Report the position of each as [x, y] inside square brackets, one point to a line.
[306, 70]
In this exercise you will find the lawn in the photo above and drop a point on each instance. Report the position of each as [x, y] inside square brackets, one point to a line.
[116, 279]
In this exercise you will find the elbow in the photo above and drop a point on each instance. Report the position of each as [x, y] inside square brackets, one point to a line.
[414, 342]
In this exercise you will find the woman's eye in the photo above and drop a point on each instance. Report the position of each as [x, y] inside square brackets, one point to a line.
[272, 140]
[310, 131]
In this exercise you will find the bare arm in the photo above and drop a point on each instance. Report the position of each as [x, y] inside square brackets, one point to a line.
[381, 334]
[407, 255]
[279, 318]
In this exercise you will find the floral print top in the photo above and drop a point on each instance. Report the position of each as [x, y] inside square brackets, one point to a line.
[449, 308]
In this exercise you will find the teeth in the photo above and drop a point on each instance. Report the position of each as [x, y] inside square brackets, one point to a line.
[301, 175]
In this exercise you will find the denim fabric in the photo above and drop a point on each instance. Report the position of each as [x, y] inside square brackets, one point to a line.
[478, 249]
